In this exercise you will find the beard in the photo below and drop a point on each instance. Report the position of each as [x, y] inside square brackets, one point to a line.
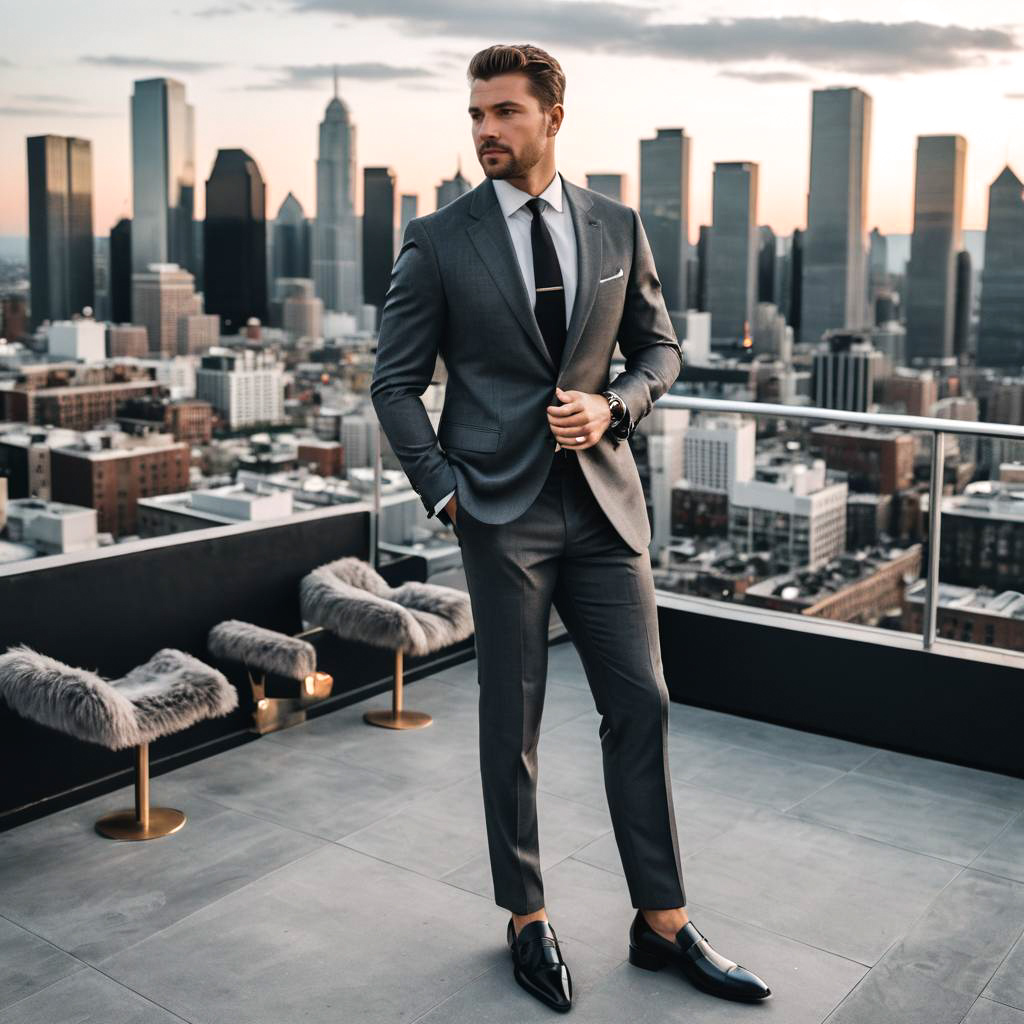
[511, 166]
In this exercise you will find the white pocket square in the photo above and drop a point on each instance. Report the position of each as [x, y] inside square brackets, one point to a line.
[612, 278]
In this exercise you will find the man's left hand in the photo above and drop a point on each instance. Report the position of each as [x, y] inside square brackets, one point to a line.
[581, 421]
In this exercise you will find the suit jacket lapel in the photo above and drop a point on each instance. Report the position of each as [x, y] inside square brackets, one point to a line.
[494, 244]
[589, 245]
[491, 238]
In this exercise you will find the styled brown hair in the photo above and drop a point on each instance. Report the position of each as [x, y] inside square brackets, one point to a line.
[547, 80]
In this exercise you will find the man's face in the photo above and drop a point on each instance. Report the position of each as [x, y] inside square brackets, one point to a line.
[510, 132]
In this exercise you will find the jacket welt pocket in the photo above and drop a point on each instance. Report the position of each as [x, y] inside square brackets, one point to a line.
[468, 436]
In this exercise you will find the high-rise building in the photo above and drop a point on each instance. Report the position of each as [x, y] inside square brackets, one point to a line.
[610, 185]
[962, 305]
[408, 207]
[290, 241]
[452, 188]
[878, 273]
[235, 241]
[937, 238]
[789, 510]
[161, 295]
[163, 175]
[245, 387]
[120, 272]
[378, 233]
[60, 243]
[718, 451]
[834, 287]
[792, 290]
[1001, 330]
[766, 262]
[699, 296]
[665, 208]
[844, 372]
[335, 230]
[732, 256]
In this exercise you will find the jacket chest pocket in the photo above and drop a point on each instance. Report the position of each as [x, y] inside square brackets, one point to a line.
[452, 434]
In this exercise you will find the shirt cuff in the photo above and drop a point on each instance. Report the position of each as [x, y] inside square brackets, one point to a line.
[444, 501]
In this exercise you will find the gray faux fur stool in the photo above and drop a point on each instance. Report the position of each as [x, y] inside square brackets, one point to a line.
[351, 599]
[289, 661]
[164, 695]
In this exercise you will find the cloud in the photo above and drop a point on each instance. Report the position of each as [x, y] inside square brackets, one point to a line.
[865, 47]
[230, 9]
[764, 77]
[47, 98]
[149, 63]
[316, 76]
[1015, 95]
[48, 110]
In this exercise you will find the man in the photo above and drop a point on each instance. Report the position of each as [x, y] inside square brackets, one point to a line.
[524, 285]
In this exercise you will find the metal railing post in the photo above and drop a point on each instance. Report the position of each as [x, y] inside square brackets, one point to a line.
[931, 593]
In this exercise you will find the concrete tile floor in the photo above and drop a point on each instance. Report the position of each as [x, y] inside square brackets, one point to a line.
[336, 872]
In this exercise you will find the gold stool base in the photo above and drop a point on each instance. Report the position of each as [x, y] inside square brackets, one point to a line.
[125, 825]
[400, 720]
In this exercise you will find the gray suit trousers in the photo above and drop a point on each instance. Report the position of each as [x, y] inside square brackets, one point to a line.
[564, 550]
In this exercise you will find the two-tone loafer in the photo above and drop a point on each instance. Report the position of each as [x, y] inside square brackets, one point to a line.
[692, 953]
[538, 965]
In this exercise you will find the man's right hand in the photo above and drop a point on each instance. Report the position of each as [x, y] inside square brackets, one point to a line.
[450, 508]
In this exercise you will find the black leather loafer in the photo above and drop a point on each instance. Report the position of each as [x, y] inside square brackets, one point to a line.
[692, 953]
[538, 964]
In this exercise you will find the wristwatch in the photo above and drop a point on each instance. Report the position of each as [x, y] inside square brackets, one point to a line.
[619, 427]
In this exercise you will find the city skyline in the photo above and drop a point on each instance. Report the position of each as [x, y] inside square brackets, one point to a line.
[752, 78]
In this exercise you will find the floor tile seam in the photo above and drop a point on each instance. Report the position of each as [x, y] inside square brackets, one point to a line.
[85, 966]
[995, 839]
[933, 794]
[770, 753]
[335, 760]
[1010, 807]
[870, 839]
[999, 1002]
[875, 839]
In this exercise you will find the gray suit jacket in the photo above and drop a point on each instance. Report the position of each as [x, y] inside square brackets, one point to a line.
[456, 288]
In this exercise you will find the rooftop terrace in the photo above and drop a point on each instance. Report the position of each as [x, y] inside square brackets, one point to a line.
[336, 872]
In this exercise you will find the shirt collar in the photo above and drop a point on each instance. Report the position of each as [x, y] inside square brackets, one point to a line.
[512, 198]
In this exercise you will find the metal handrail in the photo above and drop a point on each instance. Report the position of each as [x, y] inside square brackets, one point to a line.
[873, 419]
[936, 426]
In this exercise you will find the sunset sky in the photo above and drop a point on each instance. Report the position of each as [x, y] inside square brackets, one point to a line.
[735, 76]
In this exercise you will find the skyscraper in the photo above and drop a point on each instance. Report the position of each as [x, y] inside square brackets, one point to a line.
[290, 245]
[452, 188]
[834, 287]
[609, 185]
[60, 241]
[732, 256]
[937, 238]
[766, 263]
[235, 240]
[1001, 331]
[378, 233]
[335, 259]
[120, 272]
[409, 204]
[665, 208]
[163, 174]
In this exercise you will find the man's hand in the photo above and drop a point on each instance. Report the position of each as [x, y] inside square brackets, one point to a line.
[581, 421]
[450, 508]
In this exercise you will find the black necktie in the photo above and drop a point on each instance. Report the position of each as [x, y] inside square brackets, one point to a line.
[549, 307]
